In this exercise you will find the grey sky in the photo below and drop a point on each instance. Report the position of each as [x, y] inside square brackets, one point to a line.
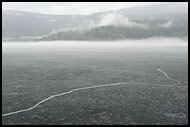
[67, 8]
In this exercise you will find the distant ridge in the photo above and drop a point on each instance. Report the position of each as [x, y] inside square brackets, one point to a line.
[167, 20]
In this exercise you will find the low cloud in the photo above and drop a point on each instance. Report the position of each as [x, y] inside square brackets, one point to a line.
[116, 19]
[167, 24]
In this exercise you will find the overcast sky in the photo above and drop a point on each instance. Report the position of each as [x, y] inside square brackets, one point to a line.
[67, 8]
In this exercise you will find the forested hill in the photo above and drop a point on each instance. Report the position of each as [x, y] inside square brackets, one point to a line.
[166, 20]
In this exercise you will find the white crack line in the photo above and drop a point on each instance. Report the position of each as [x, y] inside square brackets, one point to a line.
[61, 94]
[160, 70]
[97, 86]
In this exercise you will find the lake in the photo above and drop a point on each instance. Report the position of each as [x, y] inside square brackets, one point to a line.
[153, 74]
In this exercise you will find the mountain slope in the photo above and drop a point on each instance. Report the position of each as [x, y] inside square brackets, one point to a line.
[168, 19]
[119, 33]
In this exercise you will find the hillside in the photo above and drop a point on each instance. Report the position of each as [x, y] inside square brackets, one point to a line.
[168, 20]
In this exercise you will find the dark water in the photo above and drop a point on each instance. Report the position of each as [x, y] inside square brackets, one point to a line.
[34, 71]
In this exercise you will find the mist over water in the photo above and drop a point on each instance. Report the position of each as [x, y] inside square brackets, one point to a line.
[80, 49]
[150, 42]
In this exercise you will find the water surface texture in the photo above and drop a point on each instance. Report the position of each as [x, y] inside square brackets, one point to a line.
[78, 82]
